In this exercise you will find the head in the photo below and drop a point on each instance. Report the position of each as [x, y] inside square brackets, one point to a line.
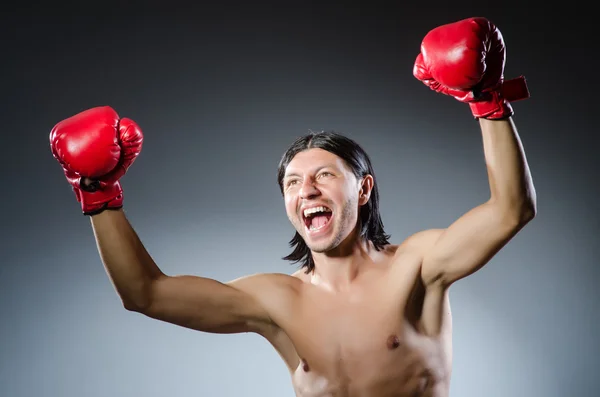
[332, 175]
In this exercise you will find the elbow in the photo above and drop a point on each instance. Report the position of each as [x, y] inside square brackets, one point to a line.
[529, 206]
[526, 211]
[529, 212]
[518, 213]
[133, 306]
[138, 302]
[139, 296]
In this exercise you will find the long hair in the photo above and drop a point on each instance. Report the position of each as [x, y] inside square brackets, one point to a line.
[370, 223]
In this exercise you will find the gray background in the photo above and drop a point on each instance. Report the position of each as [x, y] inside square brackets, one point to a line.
[220, 92]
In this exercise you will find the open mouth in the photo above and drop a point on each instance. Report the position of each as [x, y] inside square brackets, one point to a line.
[316, 218]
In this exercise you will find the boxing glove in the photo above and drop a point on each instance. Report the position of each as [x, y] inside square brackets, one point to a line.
[465, 60]
[95, 149]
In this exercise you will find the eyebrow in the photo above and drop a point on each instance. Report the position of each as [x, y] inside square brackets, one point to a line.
[317, 170]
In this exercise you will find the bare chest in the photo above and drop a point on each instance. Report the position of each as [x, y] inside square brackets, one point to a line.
[362, 345]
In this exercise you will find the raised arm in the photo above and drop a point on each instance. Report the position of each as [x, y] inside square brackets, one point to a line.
[193, 302]
[465, 60]
[473, 239]
[95, 148]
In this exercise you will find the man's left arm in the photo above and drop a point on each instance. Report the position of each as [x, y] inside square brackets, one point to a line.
[465, 60]
[472, 240]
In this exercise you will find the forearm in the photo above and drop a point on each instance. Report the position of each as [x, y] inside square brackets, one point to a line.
[511, 185]
[128, 264]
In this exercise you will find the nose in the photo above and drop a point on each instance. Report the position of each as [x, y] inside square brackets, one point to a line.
[308, 190]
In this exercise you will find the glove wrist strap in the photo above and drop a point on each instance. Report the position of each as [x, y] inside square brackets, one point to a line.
[96, 198]
[497, 106]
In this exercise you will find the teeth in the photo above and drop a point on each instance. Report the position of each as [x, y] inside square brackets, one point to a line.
[309, 211]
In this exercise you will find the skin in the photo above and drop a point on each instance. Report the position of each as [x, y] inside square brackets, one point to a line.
[365, 322]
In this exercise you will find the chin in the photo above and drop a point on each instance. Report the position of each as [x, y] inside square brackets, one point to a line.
[321, 247]
[323, 244]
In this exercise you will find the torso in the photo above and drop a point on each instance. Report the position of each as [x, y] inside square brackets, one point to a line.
[387, 335]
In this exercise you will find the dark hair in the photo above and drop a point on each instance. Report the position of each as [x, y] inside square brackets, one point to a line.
[371, 225]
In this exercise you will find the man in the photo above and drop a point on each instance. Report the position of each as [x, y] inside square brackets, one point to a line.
[362, 317]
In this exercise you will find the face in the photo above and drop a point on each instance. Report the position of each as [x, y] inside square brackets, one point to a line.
[322, 198]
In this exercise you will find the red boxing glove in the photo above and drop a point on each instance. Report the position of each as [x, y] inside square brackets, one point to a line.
[465, 59]
[98, 145]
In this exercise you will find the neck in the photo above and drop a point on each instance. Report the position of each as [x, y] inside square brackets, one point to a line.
[338, 268]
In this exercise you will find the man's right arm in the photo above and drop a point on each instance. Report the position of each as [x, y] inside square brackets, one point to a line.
[193, 302]
[95, 148]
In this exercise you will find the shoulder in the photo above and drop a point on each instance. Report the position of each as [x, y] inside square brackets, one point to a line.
[275, 292]
[301, 276]
[414, 248]
[420, 241]
[265, 280]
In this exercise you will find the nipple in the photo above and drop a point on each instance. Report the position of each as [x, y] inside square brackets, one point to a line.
[305, 365]
[393, 342]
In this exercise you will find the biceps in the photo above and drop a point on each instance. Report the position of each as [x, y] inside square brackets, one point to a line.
[468, 244]
[203, 304]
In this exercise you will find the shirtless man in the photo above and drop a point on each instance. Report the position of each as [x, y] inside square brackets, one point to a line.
[363, 317]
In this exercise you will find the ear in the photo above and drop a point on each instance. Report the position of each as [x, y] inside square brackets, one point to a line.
[366, 187]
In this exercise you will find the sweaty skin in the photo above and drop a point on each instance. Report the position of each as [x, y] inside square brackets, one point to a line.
[365, 323]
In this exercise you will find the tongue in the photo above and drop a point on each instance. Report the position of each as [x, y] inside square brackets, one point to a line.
[318, 220]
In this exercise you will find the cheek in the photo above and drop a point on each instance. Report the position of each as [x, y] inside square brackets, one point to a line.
[290, 205]
[343, 195]
[348, 204]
